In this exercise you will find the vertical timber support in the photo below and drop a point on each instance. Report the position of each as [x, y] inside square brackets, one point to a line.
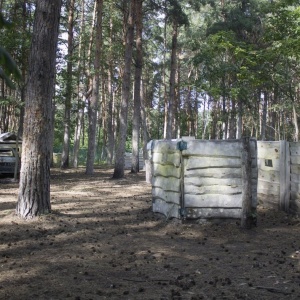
[149, 163]
[182, 145]
[285, 168]
[247, 218]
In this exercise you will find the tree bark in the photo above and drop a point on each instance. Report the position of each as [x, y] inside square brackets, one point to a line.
[264, 117]
[122, 132]
[135, 168]
[239, 125]
[110, 119]
[80, 102]
[248, 219]
[295, 122]
[34, 190]
[170, 129]
[165, 76]
[67, 116]
[94, 102]
[232, 121]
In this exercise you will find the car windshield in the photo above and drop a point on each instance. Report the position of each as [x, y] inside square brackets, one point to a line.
[6, 152]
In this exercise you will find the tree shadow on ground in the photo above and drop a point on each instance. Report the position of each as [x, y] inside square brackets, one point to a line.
[102, 241]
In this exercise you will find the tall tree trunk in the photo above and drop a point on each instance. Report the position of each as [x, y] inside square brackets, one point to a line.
[196, 116]
[24, 69]
[239, 122]
[224, 112]
[264, 117]
[177, 119]
[94, 101]
[122, 132]
[145, 133]
[110, 119]
[137, 88]
[296, 134]
[34, 190]
[170, 131]
[232, 121]
[80, 103]
[67, 117]
[204, 118]
[78, 129]
[165, 77]
[189, 110]
[214, 123]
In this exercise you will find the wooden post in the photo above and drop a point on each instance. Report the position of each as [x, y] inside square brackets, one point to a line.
[247, 218]
[285, 167]
[148, 168]
[149, 162]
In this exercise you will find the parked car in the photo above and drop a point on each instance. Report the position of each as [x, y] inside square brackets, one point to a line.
[8, 158]
[10, 153]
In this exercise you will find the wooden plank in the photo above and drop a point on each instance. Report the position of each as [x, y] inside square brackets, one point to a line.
[295, 195]
[215, 173]
[164, 146]
[253, 148]
[269, 192]
[230, 148]
[208, 213]
[254, 163]
[268, 189]
[188, 138]
[149, 171]
[295, 160]
[295, 177]
[247, 219]
[166, 170]
[295, 187]
[254, 199]
[167, 158]
[167, 184]
[295, 169]
[294, 148]
[270, 201]
[269, 176]
[262, 164]
[213, 200]
[284, 176]
[295, 206]
[167, 196]
[254, 174]
[196, 162]
[267, 144]
[200, 181]
[170, 210]
[270, 150]
[213, 189]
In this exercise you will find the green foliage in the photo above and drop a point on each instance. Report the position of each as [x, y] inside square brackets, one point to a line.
[176, 13]
[8, 66]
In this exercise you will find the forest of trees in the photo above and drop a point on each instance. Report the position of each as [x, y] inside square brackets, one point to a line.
[134, 70]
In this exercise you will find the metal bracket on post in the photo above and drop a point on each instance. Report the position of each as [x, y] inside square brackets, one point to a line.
[182, 213]
[182, 145]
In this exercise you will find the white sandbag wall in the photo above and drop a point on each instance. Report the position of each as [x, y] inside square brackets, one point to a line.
[268, 160]
[166, 177]
[294, 152]
[274, 173]
[201, 180]
[213, 183]
[128, 160]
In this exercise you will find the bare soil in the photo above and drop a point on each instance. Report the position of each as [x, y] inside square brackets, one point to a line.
[102, 241]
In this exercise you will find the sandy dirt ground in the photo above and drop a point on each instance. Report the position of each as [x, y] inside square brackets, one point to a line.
[102, 241]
